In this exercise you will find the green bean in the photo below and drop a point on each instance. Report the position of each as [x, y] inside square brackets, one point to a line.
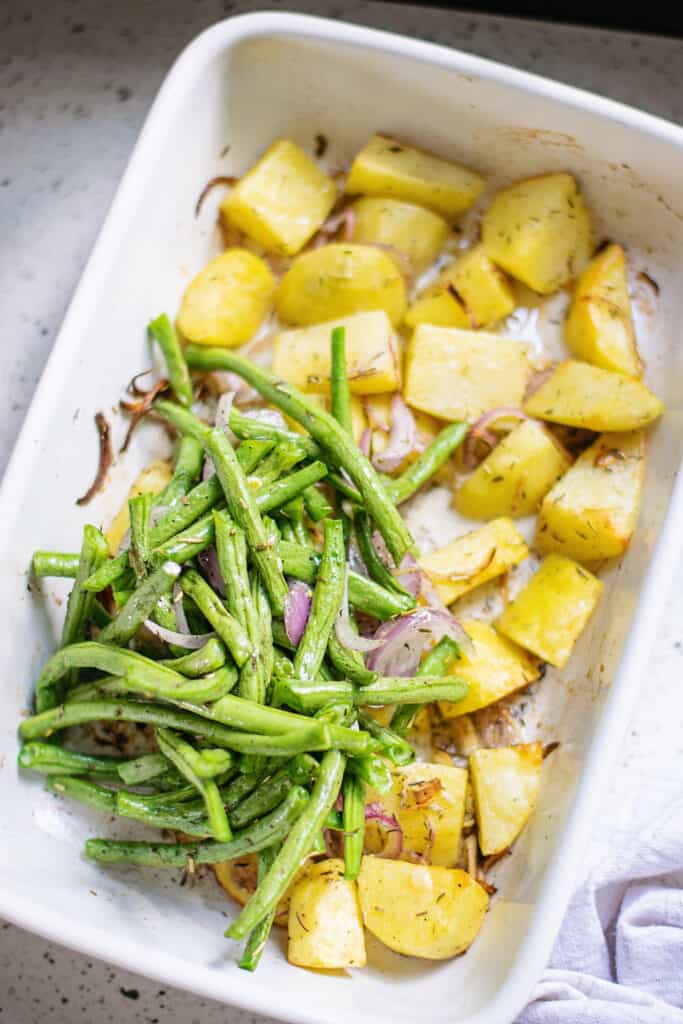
[364, 594]
[353, 820]
[294, 510]
[239, 788]
[264, 638]
[49, 759]
[377, 570]
[142, 769]
[189, 461]
[91, 654]
[296, 846]
[106, 686]
[327, 598]
[99, 614]
[250, 453]
[212, 608]
[259, 935]
[186, 760]
[283, 458]
[332, 438]
[161, 330]
[231, 547]
[164, 614]
[83, 791]
[130, 805]
[54, 563]
[272, 496]
[337, 712]
[301, 770]
[437, 663]
[372, 770]
[244, 511]
[268, 830]
[307, 696]
[349, 664]
[428, 463]
[201, 690]
[248, 428]
[200, 662]
[339, 382]
[317, 505]
[140, 605]
[394, 747]
[346, 489]
[139, 508]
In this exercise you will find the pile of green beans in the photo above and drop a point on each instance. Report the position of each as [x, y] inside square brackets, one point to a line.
[184, 637]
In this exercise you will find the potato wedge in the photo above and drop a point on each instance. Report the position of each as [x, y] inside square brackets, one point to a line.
[550, 613]
[429, 912]
[515, 477]
[302, 356]
[150, 481]
[591, 513]
[581, 395]
[539, 231]
[474, 558]
[439, 306]
[325, 924]
[459, 375]
[505, 783]
[337, 280]
[483, 288]
[496, 668]
[228, 300]
[599, 325]
[282, 200]
[416, 235]
[428, 801]
[386, 167]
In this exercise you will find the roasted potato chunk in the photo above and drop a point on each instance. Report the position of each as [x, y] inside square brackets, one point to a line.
[414, 234]
[282, 200]
[228, 300]
[386, 167]
[513, 479]
[474, 558]
[505, 783]
[496, 668]
[325, 923]
[440, 306]
[539, 231]
[459, 375]
[550, 613]
[430, 912]
[581, 395]
[599, 325]
[428, 801]
[483, 289]
[338, 280]
[150, 481]
[591, 513]
[302, 356]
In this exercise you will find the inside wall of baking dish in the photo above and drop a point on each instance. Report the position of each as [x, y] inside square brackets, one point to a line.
[217, 122]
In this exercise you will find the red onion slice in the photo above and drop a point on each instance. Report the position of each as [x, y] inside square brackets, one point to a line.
[297, 610]
[479, 432]
[208, 563]
[270, 416]
[393, 833]
[223, 407]
[364, 443]
[405, 639]
[409, 574]
[180, 617]
[191, 641]
[402, 439]
[346, 635]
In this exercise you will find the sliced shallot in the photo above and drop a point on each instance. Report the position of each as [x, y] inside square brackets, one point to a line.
[191, 641]
[402, 439]
[297, 610]
[404, 640]
[479, 431]
[346, 634]
[208, 563]
[393, 834]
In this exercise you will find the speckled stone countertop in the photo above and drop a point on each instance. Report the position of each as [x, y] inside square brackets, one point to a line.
[76, 80]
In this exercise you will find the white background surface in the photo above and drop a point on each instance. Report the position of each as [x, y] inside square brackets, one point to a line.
[76, 80]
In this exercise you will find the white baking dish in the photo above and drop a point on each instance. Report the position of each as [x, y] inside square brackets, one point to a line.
[242, 83]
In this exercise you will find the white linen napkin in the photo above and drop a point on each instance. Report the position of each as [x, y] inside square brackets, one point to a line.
[619, 956]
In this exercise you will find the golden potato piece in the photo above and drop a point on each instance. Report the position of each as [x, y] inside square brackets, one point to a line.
[483, 289]
[550, 613]
[386, 167]
[325, 923]
[505, 782]
[599, 324]
[496, 668]
[282, 200]
[428, 800]
[415, 234]
[302, 356]
[591, 513]
[459, 375]
[430, 912]
[338, 280]
[228, 300]
[539, 230]
[513, 479]
[440, 306]
[150, 481]
[474, 558]
[581, 395]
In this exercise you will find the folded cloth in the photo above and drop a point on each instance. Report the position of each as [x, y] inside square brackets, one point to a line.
[619, 956]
